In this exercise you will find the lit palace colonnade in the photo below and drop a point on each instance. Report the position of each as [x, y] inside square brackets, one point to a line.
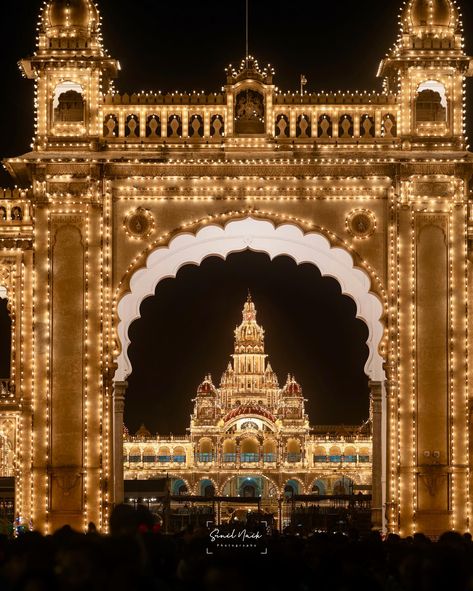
[120, 191]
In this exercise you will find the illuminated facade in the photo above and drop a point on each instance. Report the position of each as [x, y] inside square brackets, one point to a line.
[372, 188]
[249, 437]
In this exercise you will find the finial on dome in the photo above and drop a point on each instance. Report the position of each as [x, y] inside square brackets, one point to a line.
[249, 310]
[420, 15]
[70, 17]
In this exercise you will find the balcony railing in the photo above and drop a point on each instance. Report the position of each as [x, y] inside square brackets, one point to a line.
[249, 457]
[352, 459]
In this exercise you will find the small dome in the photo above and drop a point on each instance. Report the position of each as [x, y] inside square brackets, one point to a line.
[71, 14]
[206, 388]
[291, 387]
[431, 13]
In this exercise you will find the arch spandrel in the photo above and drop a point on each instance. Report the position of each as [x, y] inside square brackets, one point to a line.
[259, 235]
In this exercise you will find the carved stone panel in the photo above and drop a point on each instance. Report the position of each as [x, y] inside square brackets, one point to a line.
[432, 367]
[67, 358]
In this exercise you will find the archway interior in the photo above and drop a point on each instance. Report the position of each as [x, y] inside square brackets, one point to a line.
[186, 331]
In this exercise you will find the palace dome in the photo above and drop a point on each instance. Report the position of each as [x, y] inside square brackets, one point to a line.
[71, 14]
[431, 13]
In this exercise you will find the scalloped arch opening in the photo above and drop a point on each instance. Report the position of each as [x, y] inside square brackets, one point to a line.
[259, 236]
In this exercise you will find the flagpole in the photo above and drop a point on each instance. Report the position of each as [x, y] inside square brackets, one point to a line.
[247, 41]
[303, 83]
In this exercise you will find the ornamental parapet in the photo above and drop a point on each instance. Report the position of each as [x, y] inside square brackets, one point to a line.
[15, 207]
[175, 118]
[157, 98]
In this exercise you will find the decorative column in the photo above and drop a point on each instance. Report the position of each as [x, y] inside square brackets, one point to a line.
[392, 429]
[377, 459]
[118, 409]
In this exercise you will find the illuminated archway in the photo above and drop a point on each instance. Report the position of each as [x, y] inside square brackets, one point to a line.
[262, 236]
[259, 236]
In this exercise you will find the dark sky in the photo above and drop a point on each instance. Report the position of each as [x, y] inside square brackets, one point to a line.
[186, 45]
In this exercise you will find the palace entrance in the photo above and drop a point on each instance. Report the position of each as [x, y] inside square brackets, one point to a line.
[119, 191]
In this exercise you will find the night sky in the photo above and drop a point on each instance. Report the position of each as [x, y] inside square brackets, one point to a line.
[188, 329]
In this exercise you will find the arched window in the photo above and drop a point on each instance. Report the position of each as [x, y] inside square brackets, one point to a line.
[320, 455]
[349, 454]
[388, 126]
[135, 455]
[291, 488]
[110, 126]
[319, 488]
[249, 488]
[229, 450]
[303, 126]
[364, 455]
[196, 127]
[269, 450]
[335, 454]
[249, 450]
[149, 455]
[179, 487]
[217, 126]
[69, 103]
[293, 448]
[153, 126]
[205, 453]
[367, 127]
[345, 127]
[179, 455]
[431, 103]
[174, 126]
[207, 488]
[324, 127]
[164, 455]
[16, 213]
[132, 126]
[282, 126]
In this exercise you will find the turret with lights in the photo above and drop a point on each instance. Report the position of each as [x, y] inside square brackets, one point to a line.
[427, 68]
[71, 71]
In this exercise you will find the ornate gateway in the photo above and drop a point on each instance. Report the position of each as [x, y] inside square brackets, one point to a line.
[371, 188]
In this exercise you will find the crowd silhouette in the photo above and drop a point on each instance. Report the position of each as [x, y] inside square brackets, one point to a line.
[138, 555]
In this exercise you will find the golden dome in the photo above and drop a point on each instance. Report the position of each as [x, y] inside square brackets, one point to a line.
[71, 14]
[431, 13]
